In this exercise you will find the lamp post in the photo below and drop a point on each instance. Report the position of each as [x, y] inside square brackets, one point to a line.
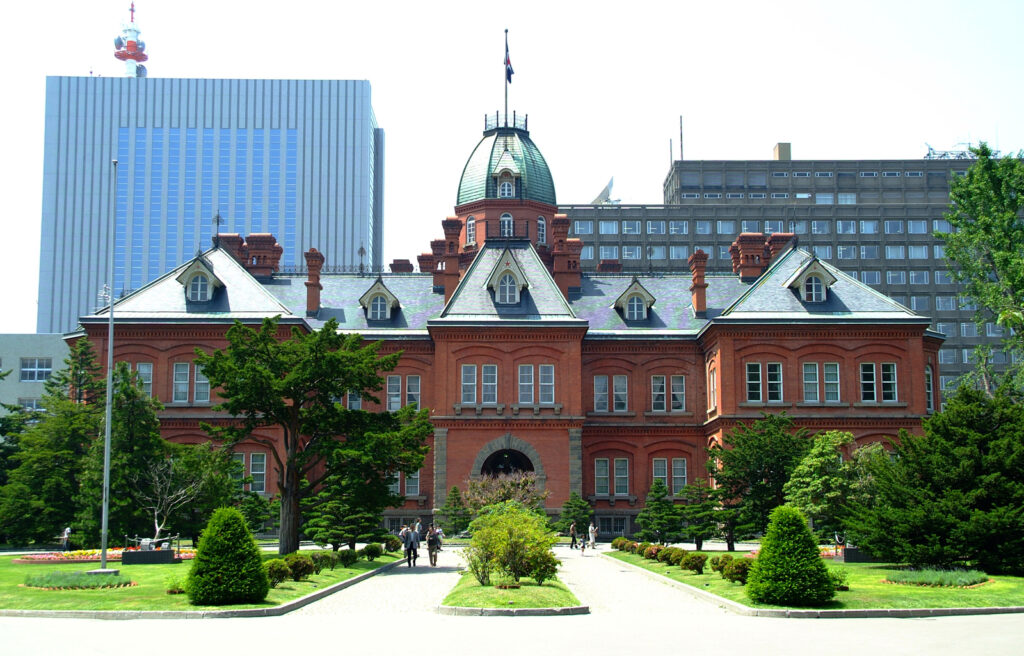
[110, 371]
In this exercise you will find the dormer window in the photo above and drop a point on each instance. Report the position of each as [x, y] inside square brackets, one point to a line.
[471, 230]
[506, 225]
[634, 302]
[378, 308]
[508, 290]
[542, 230]
[199, 288]
[379, 302]
[814, 290]
[506, 189]
[635, 308]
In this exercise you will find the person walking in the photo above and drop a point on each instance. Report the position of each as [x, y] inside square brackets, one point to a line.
[433, 545]
[412, 546]
[65, 538]
[593, 536]
[572, 535]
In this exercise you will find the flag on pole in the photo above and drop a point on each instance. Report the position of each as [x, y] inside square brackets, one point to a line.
[508, 64]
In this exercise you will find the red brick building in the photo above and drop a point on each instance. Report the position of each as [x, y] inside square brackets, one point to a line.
[599, 383]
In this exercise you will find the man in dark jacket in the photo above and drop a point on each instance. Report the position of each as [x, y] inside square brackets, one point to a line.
[412, 546]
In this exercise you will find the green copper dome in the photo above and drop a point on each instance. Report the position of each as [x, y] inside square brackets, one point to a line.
[500, 149]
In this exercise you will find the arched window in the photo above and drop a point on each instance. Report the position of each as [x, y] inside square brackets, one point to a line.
[814, 290]
[508, 291]
[929, 401]
[506, 225]
[471, 230]
[635, 308]
[199, 288]
[378, 308]
[506, 190]
[542, 230]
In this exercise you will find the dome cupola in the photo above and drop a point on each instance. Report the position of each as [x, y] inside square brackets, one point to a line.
[506, 164]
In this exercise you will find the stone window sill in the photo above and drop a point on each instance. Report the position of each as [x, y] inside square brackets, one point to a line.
[673, 413]
[611, 414]
[557, 407]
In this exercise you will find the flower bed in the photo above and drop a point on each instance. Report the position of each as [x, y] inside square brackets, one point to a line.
[88, 556]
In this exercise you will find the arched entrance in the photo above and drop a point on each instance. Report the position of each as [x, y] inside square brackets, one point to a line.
[513, 445]
[506, 461]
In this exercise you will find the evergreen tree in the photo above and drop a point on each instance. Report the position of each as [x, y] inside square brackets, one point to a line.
[752, 468]
[228, 567]
[577, 510]
[345, 512]
[661, 520]
[954, 496]
[699, 512]
[454, 513]
[823, 482]
[789, 570]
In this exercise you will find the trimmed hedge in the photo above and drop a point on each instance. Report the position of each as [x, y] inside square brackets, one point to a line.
[277, 571]
[228, 567]
[737, 570]
[300, 564]
[694, 562]
[347, 557]
[372, 551]
[789, 570]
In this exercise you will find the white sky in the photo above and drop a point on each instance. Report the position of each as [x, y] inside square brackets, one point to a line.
[604, 84]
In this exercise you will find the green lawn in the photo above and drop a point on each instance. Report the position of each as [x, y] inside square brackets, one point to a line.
[866, 587]
[467, 593]
[151, 591]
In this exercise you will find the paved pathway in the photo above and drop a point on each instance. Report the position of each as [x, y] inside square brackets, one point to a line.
[631, 614]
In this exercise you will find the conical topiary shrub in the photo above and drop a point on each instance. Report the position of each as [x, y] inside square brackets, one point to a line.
[789, 570]
[228, 568]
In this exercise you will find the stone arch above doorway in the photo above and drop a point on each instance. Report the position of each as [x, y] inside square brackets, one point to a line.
[509, 442]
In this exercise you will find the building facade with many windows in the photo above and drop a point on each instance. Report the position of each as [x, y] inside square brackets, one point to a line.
[874, 219]
[600, 383]
[302, 159]
[29, 359]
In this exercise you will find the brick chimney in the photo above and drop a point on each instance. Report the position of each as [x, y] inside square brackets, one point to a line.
[452, 229]
[698, 289]
[233, 243]
[777, 243]
[264, 254]
[752, 255]
[401, 266]
[426, 262]
[314, 263]
[609, 266]
[437, 249]
[565, 268]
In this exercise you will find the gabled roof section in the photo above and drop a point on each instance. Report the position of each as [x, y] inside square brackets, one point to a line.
[506, 163]
[472, 302]
[198, 265]
[162, 300]
[379, 288]
[635, 288]
[507, 262]
[770, 298]
[808, 268]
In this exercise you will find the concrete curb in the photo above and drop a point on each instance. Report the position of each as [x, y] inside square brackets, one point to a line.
[740, 609]
[273, 611]
[512, 612]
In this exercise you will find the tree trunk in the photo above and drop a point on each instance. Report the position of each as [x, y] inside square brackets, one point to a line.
[288, 537]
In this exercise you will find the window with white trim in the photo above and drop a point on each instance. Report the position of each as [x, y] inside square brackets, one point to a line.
[655, 227]
[774, 372]
[608, 227]
[621, 477]
[378, 308]
[412, 391]
[471, 230]
[201, 387]
[601, 393]
[867, 382]
[507, 290]
[506, 190]
[145, 372]
[630, 227]
[678, 227]
[831, 371]
[199, 288]
[547, 383]
[620, 386]
[609, 252]
[583, 227]
[469, 384]
[929, 398]
[814, 290]
[658, 394]
[258, 472]
[753, 382]
[659, 471]
[395, 485]
[179, 393]
[888, 382]
[35, 369]
[601, 477]
[394, 393]
[526, 384]
[811, 382]
[677, 393]
[678, 476]
[354, 400]
[636, 309]
[712, 389]
[506, 225]
[489, 384]
[412, 484]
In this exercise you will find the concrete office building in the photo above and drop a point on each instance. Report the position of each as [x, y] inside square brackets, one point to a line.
[872, 218]
[301, 159]
[30, 359]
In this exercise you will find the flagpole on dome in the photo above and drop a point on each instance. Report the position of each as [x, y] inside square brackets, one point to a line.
[508, 76]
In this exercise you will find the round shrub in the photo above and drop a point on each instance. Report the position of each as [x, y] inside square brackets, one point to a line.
[641, 549]
[372, 551]
[737, 570]
[392, 544]
[617, 542]
[632, 546]
[542, 564]
[694, 562]
[347, 557]
[719, 563]
[789, 570]
[300, 564]
[652, 552]
[277, 571]
[228, 567]
[322, 560]
[665, 554]
[676, 557]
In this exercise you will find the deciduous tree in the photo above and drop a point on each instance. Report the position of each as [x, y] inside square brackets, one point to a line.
[823, 482]
[517, 486]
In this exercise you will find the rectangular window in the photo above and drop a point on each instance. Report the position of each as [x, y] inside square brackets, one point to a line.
[823, 174]
[609, 252]
[469, 384]
[526, 384]
[754, 382]
[868, 252]
[712, 389]
[917, 227]
[920, 302]
[658, 394]
[723, 253]
[993, 330]
[943, 278]
[890, 174]
[489, 384]
[621, 477]
[798, 227]
[689, 196]
[679, 252]
[810, 382]
[733, 196]
[587, 253]
[918, 252]
[712, 196]
[823, 252]
[547, 384]
[238, 473]
[601, 477]
[774, 382]
[258, 472]
[655, 227]
[600, 393]
[412, 391]
[777, 194]
[824, 199]
[847, 199]
[867, 382]
[678, 475]
[801, 174]
[947, 329]
[914, 174]
[869, 174]
[820, 228]
[655, 252]
[894, 227]
[939, 251]
[659, 471]
[412, 484]
[354, 400]
[757, 195]
[780, 174]
[846, 252]
[620, 387]
[919, 277]
[750, 226]
[888, 382]
[703, 227]
[804, 195]
[896, 277]
[180, 390]
[772, 226]
[870, 277]
[630, 227]
[608, 227]
[395, 485]
[145, 371]
[941, 225]
[201, 393]
[631, 252]
[726, 227]
[869, 227]
[678, 393]
[968, 330]
[895, 253]
[678, 227]
[583, 227]
[831, 371]
[846, 227]
[394, 392]
[948, 356]
[36, 369]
